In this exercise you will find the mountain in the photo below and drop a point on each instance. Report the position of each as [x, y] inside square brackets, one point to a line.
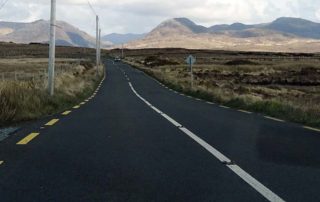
[296, 26]
[189, 25]
[118, 39]
[38, 32]
[291, 26]
[177, 26]
[283, 34]
[235, 27]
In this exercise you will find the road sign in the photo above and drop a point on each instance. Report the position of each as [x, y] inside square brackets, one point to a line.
[191, 60]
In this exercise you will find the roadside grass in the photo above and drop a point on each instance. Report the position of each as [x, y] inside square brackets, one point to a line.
[27, 100]
[295, 105]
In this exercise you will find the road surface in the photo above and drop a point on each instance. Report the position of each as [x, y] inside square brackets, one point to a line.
[136, 140]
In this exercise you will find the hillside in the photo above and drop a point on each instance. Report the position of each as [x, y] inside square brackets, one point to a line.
[38, 32]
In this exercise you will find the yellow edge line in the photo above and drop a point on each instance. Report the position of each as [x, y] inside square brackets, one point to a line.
[244, 111]
[27, 139]
[52, 122]
[310, 128]
[274, 119]
[66, 113]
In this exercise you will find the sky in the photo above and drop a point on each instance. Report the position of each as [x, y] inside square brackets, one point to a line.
[140, 16]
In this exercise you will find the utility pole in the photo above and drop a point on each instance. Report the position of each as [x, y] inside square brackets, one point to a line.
[97, 44]
[52, 48]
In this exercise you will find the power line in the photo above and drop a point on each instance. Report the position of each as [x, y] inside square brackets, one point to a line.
[91, 7]
[3, 4]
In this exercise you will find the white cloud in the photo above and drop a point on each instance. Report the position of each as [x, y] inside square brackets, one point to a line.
[142, 15]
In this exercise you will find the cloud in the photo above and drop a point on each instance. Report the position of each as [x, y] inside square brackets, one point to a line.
[142, 15]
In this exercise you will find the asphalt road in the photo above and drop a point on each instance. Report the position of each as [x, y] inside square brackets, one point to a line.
[136, 140]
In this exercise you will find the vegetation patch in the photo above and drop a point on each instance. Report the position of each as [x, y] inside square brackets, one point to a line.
[154, 61]
[241, 62]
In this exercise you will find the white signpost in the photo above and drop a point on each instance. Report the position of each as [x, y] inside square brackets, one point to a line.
[190, 61]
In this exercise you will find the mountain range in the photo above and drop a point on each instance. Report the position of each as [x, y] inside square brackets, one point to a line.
[118, 39]
[38, 32]
[283, 34]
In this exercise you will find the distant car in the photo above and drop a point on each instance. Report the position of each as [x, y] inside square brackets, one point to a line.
[117, 59]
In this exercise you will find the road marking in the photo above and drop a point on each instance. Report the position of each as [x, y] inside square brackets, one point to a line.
[1, 162]
[210, 103]
[171, 120]
[52, 122]
[274, 119]
[198, 99]
[204, 144]
[66, 113]
[157, 110]
[224, 107]
[264, 191]
[27, 139]
[82, 103]
[244, 111]
[310, 128]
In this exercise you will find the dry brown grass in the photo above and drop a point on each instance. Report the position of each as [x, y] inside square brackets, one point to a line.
[25, 100]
